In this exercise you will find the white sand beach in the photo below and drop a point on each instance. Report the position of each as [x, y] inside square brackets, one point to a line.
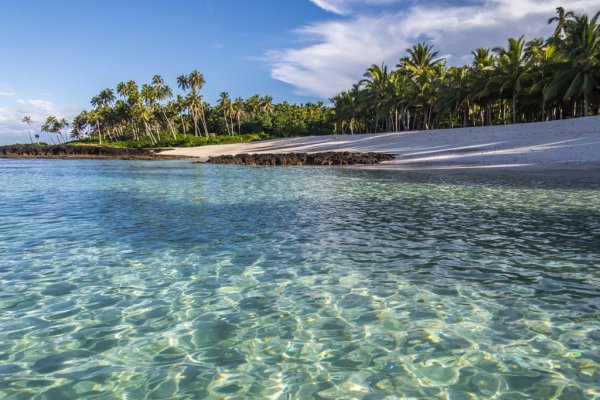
[557, 147]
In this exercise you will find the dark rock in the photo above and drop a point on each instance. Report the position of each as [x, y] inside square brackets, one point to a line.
[66, 151]
[327, 158]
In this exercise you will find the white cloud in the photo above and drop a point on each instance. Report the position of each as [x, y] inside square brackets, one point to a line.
[7, 94]
[12, 130]
[344, 7]
[336, 52]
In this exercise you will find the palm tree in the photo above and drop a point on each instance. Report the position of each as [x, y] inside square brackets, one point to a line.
[513, 71]
[378, 87]
[102, 103]
[162, 92]
[61, 126]
[266, 104]
[543, 56]
[27, 121]
[421, 59]
[581, 69]
[454, 93]
[183, 83]
[481, 72]
[400, 100]
[224, 106]
[80, 124]
[148, 111]
[192, 101]
[53, 126]
[424, 68]
[561, 20]
[253, 105]
[129, 92]
[196, 82]
[238, 111]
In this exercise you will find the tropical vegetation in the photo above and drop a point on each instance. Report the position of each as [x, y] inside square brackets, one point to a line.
[152, 115]
[526, 81]
[536, 80]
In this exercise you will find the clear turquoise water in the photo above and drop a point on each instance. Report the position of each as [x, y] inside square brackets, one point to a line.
[133, 279]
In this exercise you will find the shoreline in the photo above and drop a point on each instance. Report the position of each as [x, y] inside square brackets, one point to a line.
[92, 157]
[567, 149]
[563, 149]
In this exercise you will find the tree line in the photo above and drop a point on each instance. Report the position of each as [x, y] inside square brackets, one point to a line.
[526, 81]
[152, 114]
[538, 80]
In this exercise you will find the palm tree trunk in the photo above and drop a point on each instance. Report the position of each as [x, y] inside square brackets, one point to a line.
[514, 108]
[30, 138]
[195, 120]
[226, 123]
[149, 132]
[99, 133]
[586, 104]
[203, 118]
[544, 117]
[171, 128]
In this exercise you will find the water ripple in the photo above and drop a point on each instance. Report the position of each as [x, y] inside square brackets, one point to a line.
[161, 280]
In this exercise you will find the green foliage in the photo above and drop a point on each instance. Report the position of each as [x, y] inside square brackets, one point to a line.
[181, 140]
[526, 81]
[151, 117]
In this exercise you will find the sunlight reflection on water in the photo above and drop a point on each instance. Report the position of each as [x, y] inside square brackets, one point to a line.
[138, 279]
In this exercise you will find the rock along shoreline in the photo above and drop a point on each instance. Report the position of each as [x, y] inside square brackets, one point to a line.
[325, 158]
[65, 151]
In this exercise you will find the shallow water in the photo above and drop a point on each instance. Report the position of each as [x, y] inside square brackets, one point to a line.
[134, 279]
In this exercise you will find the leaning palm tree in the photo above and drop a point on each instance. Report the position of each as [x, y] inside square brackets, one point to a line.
[196, 83]
[192, 101]
[61, 125]
[80, 125]
[102, 103]
[28, 121]
[162, 92]
[51, 126]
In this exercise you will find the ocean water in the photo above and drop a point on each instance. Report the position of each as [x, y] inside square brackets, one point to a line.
[173, 280]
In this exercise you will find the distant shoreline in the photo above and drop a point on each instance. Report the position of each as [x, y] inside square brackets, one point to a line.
[81, 152]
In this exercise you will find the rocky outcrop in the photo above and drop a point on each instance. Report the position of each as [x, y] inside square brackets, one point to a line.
[327, 158]
[65, 151]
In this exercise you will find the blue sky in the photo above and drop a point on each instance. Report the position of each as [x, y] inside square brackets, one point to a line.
[57, 54]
